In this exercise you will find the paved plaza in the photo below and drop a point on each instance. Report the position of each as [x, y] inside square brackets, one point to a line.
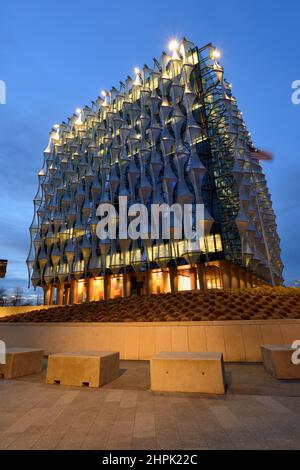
[258, 412]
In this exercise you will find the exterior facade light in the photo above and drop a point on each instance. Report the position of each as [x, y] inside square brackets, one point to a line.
[78, 121]
[137, 76]
[216, 54]
[173, 45]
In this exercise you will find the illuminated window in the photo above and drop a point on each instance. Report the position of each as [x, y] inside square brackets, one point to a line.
[181, 248]
[213, 279]
[219, 246]
[165, 251]
[81, 292]
[99, 289]
[155, 251]
[210, 244]
[158, 282]
[184, 280]
[116, 260]
[116, 287]
[127, 258]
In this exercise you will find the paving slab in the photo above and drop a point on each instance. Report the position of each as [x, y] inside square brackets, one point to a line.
[258, 412]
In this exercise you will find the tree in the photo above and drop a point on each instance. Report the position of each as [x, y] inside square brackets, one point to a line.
[17, 297]
[295, 284]
[3, 296]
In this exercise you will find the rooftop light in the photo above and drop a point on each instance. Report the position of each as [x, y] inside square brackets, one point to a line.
[216, 54]
[78, 121]
[173, 45]
[137, 78]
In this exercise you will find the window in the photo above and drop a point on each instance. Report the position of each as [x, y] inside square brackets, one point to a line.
[99, 289]
[116, 287]
[184, 280]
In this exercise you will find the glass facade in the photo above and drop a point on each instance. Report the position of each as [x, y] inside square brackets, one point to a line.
[172, 134]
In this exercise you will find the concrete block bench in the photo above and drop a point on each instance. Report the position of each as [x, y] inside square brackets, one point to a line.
[188, 372]
[83, 369]
[21, 362]
[277, 361]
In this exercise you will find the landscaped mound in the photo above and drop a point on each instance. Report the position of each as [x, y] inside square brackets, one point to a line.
[250, 304]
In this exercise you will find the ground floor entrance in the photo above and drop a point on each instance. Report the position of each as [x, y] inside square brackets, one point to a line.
[215, 275]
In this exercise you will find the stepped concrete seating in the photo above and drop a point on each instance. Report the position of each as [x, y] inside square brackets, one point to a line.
[188, 372]
[21, 362]
[277, 361]
[79, 369]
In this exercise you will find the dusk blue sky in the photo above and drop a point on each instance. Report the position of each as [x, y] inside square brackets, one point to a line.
[58, 55]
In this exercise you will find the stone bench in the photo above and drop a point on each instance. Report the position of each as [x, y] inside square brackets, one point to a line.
[83, 369]
[277, 361]
[188, 372]
[21, 362]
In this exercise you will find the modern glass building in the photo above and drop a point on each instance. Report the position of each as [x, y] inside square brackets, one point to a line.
[171, 134]
[3, 266]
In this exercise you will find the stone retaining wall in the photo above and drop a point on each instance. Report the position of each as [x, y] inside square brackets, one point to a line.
[239, 341]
